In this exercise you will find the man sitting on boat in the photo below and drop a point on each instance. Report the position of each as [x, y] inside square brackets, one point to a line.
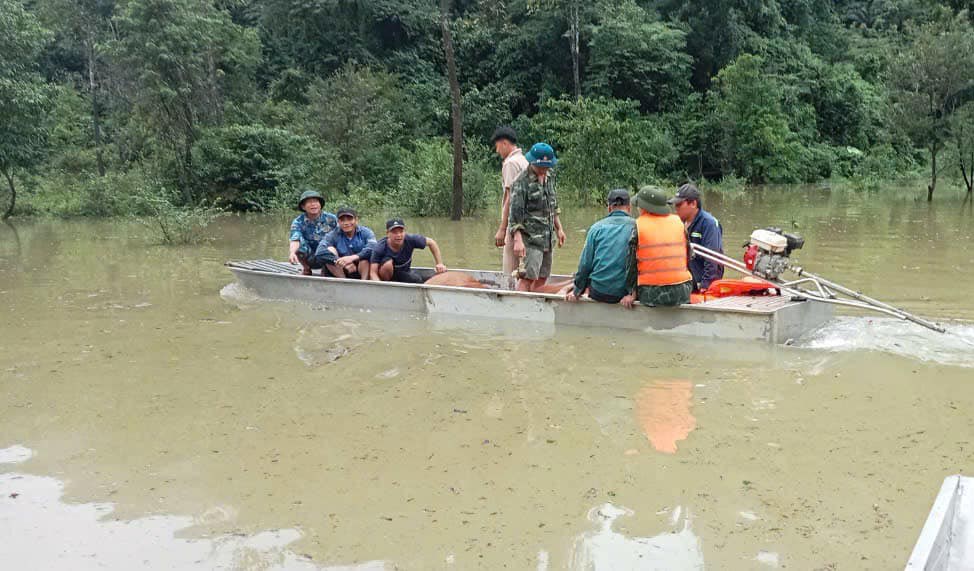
[392, 257]
[606, 268]
[347, 250]
[704, 230]
[308, 230]
[533, 221]
[662, 253]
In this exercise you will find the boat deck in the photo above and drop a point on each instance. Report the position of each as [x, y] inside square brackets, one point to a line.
[773, 318]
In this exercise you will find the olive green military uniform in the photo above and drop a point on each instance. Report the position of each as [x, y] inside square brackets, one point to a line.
[533, 209]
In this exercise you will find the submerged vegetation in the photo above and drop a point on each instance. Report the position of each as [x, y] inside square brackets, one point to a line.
[240, 104]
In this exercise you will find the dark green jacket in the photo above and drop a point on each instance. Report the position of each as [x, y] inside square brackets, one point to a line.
[607, 263]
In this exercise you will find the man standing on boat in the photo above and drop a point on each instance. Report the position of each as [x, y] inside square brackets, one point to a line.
[704, 230]
[505, 144]
[534, 223]
[607, 268]
[308, 230]
[347, 250]
[662, 253]
[392, 257]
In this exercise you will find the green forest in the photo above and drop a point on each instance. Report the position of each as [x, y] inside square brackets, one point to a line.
[111, 107]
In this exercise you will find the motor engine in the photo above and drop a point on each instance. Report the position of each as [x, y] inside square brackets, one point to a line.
[767, 252]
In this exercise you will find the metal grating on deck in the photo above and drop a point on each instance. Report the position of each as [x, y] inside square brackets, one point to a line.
[768, 303]
[269, 266]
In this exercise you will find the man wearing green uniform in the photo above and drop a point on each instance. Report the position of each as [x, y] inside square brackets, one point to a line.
[533, 220]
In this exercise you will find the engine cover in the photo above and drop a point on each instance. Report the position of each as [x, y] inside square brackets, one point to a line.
[770, 266]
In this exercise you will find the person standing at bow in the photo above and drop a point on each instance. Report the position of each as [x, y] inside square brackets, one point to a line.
[505, 144]
[663, 252]
[533, 219]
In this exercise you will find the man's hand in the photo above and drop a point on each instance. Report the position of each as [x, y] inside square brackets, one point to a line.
[561, 237]
[519, 250]
[346, 261]
[627, 301]
[293, 258]
[570, 296]
[500, 239]
[440, 268]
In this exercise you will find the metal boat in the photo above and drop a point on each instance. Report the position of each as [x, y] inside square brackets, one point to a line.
[773, 319]
[946, 542]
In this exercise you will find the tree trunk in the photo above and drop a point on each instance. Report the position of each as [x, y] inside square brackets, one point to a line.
[573, 46]
[455, 110]
[968, 175]
[95, 120]
[13, 194]
[933, 173]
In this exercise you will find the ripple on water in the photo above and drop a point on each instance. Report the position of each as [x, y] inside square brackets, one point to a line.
[887, 335]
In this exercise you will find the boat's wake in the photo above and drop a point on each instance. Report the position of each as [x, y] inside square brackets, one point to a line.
[955, 347]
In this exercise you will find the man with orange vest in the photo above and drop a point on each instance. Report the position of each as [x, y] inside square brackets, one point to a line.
[663, 252]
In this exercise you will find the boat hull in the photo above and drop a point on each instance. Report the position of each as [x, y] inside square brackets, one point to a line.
[771, 319]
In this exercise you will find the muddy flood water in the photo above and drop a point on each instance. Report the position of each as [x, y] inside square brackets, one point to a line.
[154, 416]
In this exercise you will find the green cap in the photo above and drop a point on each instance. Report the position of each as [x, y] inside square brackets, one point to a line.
[309, 194]
[653, 199]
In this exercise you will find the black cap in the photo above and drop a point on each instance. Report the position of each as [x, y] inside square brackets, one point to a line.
[504, 132]
[394, 223]
[686, 192]
[618, 197]
[346, 211]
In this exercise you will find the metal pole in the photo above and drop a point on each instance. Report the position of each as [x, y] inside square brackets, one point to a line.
[863, 301]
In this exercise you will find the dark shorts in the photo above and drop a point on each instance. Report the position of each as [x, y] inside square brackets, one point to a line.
[603, 298]
[665, 296]
[325, 256]
[406, 276]
[313, 262]
[535, 265]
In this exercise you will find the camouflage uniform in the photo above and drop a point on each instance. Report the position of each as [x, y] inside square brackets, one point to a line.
[310, 233]
[533, 210]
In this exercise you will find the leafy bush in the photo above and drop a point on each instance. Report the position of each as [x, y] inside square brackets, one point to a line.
[250, 167]
[176, 225]
[602, 143]
[426, 181]
[86, 194]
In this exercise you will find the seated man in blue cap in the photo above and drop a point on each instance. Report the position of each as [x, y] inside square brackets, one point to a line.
[606, 269]
[703, 229]
[392, 257]
[533, 221]
[308, 230]
[346, 252]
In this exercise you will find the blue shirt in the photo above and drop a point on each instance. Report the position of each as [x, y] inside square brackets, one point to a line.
[606, 261]
[705, 230]
[360, 244]
[403, 259]
[311, 232]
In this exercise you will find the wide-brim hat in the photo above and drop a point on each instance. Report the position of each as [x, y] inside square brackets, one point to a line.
[542, 155]
[653, 199]
[310, 194]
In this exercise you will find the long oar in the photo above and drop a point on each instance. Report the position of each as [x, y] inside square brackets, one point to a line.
[826, 293]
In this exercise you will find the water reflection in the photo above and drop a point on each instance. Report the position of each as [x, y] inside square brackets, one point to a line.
[663, 412]
[607, 549]
[53, 535]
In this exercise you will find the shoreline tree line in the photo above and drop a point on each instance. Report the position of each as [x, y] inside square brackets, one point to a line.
[106, 105]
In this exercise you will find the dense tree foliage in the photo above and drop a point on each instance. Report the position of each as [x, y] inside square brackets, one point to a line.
[243, 103]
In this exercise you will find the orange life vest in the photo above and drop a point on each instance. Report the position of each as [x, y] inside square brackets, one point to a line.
[746, 286]
[662, 255]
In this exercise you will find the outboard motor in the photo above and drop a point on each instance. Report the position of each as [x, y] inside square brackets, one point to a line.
[767, 252]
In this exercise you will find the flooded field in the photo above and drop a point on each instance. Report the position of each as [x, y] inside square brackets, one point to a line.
[154, 416]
